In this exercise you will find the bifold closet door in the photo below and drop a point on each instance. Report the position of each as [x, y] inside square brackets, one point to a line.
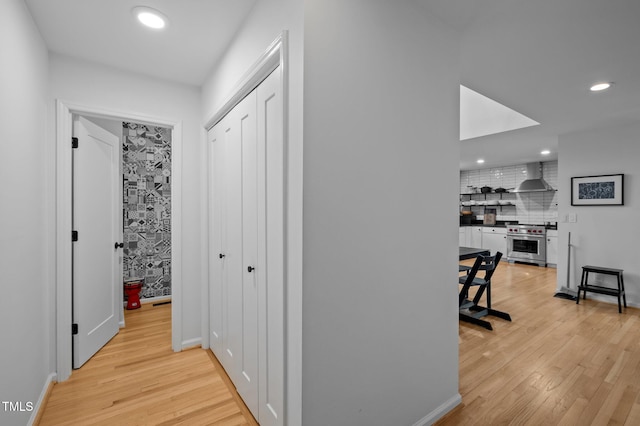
[271, 233]
[226, 288]
[252, 273]
[233, 290]
[246, 245]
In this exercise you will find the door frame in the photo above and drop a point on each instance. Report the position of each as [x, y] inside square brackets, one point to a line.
[276, 55]
[63, 259]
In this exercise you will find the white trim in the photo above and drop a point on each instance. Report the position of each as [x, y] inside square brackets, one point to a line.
[43, 393]
[269, 61]
[204, 242]
[191, 343]
[147, 300]
[275, 56]
[443, 409]
[64, 111]
[176, 237]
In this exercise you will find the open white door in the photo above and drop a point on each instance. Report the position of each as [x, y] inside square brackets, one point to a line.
[97, 218]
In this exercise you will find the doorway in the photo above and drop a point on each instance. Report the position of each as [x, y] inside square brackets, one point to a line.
[64, 273]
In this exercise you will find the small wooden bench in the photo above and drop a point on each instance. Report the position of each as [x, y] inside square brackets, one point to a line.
[585, 286]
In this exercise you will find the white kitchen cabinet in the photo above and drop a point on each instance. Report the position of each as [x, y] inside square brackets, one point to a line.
[462, 237]
[495, 239]
[552, 248]
[475, 237]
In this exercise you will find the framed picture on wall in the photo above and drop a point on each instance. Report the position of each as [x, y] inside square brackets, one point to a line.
[603, 190]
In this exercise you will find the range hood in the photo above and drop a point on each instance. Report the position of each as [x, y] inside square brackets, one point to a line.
[533, 181]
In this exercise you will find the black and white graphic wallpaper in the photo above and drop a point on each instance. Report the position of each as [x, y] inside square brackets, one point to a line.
[146, 155]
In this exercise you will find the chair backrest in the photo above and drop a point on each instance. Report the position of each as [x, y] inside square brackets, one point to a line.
[484, 263]
[489, 264]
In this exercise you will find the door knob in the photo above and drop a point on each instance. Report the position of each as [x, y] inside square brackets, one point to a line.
[250, 268]
[221, 255]
[119, 245]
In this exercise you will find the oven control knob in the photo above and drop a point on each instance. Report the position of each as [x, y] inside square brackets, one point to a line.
[529, 230]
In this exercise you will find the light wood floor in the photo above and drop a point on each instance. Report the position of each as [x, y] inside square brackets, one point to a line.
[136, 379]
[557, 363]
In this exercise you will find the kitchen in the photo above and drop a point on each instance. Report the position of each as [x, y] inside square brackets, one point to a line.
[499, 213]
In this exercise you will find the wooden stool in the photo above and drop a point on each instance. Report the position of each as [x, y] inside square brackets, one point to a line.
[585, 286]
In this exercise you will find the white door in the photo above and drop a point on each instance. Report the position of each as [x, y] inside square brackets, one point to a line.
[218, 271]
[97, 217]
[247, 249]
[252, 271]
[271, 231]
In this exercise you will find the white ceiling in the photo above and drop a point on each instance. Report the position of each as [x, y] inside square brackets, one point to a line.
[538, 57]
[105, 31]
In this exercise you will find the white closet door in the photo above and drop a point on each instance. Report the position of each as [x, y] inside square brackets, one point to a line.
[247, 249]
[252, 269]
[270, 170]
[217, 241]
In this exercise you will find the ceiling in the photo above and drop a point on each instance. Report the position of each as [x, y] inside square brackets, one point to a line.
[540, 58]
[537, 57]
[106, 32]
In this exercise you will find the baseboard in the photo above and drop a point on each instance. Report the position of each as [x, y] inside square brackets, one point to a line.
[146, 300]
[191, 343]
[612, 300]
[38, 409]
[439, 412]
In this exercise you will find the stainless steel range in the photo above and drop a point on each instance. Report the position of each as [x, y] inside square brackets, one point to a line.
[527, 243]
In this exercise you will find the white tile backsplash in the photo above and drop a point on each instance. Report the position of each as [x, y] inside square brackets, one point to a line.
[529, 207]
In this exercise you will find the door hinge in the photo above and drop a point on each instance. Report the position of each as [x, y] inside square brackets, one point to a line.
[74, 142]
[74, 329]
[74, 236]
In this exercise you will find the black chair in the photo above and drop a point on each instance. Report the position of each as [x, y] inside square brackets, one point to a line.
[464, 268]
[470, 310]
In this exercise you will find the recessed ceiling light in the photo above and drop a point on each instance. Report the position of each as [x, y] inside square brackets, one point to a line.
[545, 152]
[150, 17]
[480, 161]
[600, 86]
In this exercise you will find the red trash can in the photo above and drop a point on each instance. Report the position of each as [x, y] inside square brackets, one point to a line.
[132, 289]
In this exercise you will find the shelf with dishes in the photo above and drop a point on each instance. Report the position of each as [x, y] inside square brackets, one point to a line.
[471, 199]
[488, 203]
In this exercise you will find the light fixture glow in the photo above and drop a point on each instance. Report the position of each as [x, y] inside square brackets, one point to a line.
[480, 161]
[545, 152]
[150, 17]
[600, 86]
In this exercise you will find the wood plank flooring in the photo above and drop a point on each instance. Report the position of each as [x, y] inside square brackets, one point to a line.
[557, 363]
[136, 379]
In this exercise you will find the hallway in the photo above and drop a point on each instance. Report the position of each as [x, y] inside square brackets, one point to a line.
[136, 379]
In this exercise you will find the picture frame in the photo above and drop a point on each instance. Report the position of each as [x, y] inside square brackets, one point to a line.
[602, 190]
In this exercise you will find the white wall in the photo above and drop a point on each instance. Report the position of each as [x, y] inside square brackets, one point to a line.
[603, 235]
[380, 313]
[380, 319]
[97, 86]
[25, 269]
[265, 23]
